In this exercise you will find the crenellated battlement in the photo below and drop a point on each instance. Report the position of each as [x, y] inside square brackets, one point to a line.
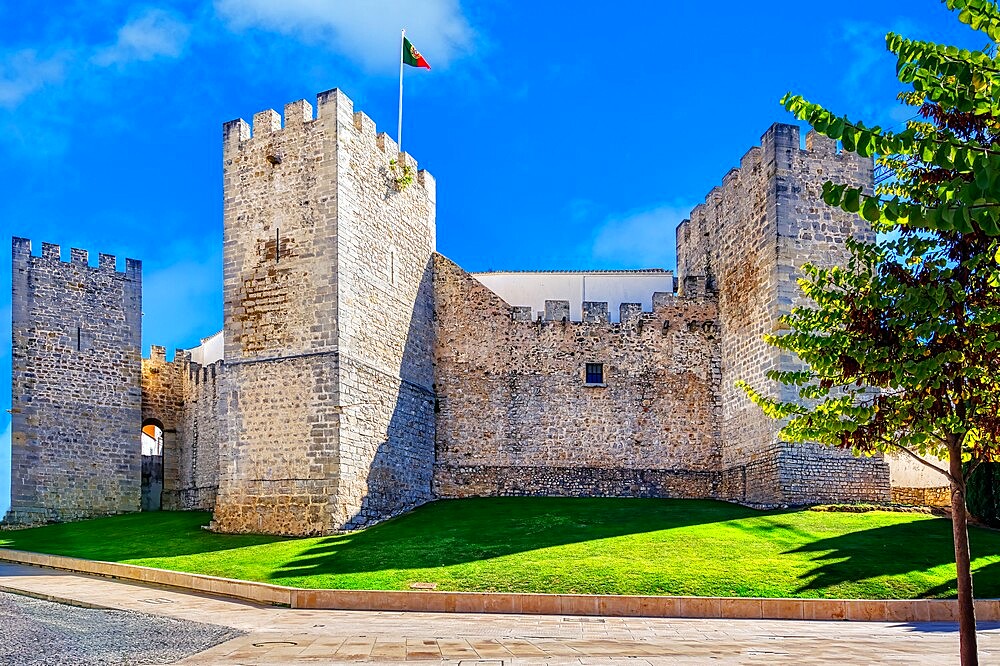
[334, 111]
[182, 364]
[780, 147]
[22, 254]
[694, 289]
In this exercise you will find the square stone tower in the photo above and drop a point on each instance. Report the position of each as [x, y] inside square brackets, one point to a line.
[76, 401]
[751, 237]
[328, 332]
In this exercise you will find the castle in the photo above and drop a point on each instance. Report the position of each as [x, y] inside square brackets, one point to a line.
[359, 373]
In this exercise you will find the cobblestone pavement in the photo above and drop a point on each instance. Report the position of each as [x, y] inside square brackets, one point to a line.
[287, 636]
[33, 631]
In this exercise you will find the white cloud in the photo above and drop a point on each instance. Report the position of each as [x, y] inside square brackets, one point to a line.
[367, 32]
[153, 34]
[642, 239]
[150, 35]
[23, 73]
[865, 43]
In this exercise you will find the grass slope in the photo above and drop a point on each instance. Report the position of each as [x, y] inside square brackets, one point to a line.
[616, 546]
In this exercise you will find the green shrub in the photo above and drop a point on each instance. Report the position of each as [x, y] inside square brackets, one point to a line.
[983, 494]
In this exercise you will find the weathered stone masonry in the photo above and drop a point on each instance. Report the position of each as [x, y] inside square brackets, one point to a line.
[364, 374]
[327, 314]
[515, 417]
[751, 237]
[189, 402]
[76, 398]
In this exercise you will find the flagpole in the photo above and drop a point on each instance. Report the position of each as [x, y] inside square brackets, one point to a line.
[399, 127]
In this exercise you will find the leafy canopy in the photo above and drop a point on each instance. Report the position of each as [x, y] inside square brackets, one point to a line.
[901, 347]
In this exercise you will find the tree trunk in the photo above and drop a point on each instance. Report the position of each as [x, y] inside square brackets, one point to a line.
[963, 560]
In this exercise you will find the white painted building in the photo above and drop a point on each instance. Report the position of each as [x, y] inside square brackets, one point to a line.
[209, 351]
[533, 288]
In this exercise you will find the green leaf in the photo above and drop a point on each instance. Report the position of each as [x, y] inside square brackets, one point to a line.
[962, 220]
[836, 129]
[852, 200]
[847, 138]
[890, 210]
[871, 210]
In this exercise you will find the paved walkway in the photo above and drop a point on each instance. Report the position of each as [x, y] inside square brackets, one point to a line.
[287, 636]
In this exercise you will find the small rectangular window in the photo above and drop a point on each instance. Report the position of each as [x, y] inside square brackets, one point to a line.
[595, 373]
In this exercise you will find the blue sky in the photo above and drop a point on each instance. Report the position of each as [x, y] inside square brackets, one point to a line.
[562, 134]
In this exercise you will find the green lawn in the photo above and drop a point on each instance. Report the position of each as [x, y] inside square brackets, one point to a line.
[616, 546]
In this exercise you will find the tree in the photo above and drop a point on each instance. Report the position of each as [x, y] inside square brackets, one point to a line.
[900, 349]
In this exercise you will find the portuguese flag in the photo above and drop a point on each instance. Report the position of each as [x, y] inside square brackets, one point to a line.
[412, 57]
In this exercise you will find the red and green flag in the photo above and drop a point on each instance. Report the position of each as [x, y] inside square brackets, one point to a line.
[412, 57]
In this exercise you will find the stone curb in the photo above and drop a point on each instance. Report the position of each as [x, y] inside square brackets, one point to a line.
[54, 598]
[863, 610]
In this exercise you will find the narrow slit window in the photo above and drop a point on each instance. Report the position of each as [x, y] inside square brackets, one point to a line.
[595, 373]
[78, 339]
[277, 245]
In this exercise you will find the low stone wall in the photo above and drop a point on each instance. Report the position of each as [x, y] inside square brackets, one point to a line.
[922, 496]
[225, 587]
[863, 610]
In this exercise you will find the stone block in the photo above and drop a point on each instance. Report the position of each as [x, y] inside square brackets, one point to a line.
[556, 310]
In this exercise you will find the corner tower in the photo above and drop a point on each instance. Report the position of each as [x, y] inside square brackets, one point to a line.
[328, 332]
[751, 237]
[76, 398]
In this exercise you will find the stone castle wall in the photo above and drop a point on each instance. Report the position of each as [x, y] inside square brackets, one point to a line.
[936, 496]
[516, 418]
[364, 374]
[75, 449]
[189, 402]
[385, 330]
[751, 237]
[327, 324]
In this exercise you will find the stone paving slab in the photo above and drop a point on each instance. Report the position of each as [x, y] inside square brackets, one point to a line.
[292, 636]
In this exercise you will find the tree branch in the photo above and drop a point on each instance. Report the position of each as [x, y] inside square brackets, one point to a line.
[972, 468]
[918, 458]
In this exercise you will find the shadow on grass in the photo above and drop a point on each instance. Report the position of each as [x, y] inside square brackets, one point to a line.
[130, 537]
[897, 550]
[449, 532]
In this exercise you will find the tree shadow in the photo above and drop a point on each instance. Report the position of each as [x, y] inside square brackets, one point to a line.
[449, 532]
[946, 627]
[985, 581]
[897, 550]
[131, 537]
[393, 465]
